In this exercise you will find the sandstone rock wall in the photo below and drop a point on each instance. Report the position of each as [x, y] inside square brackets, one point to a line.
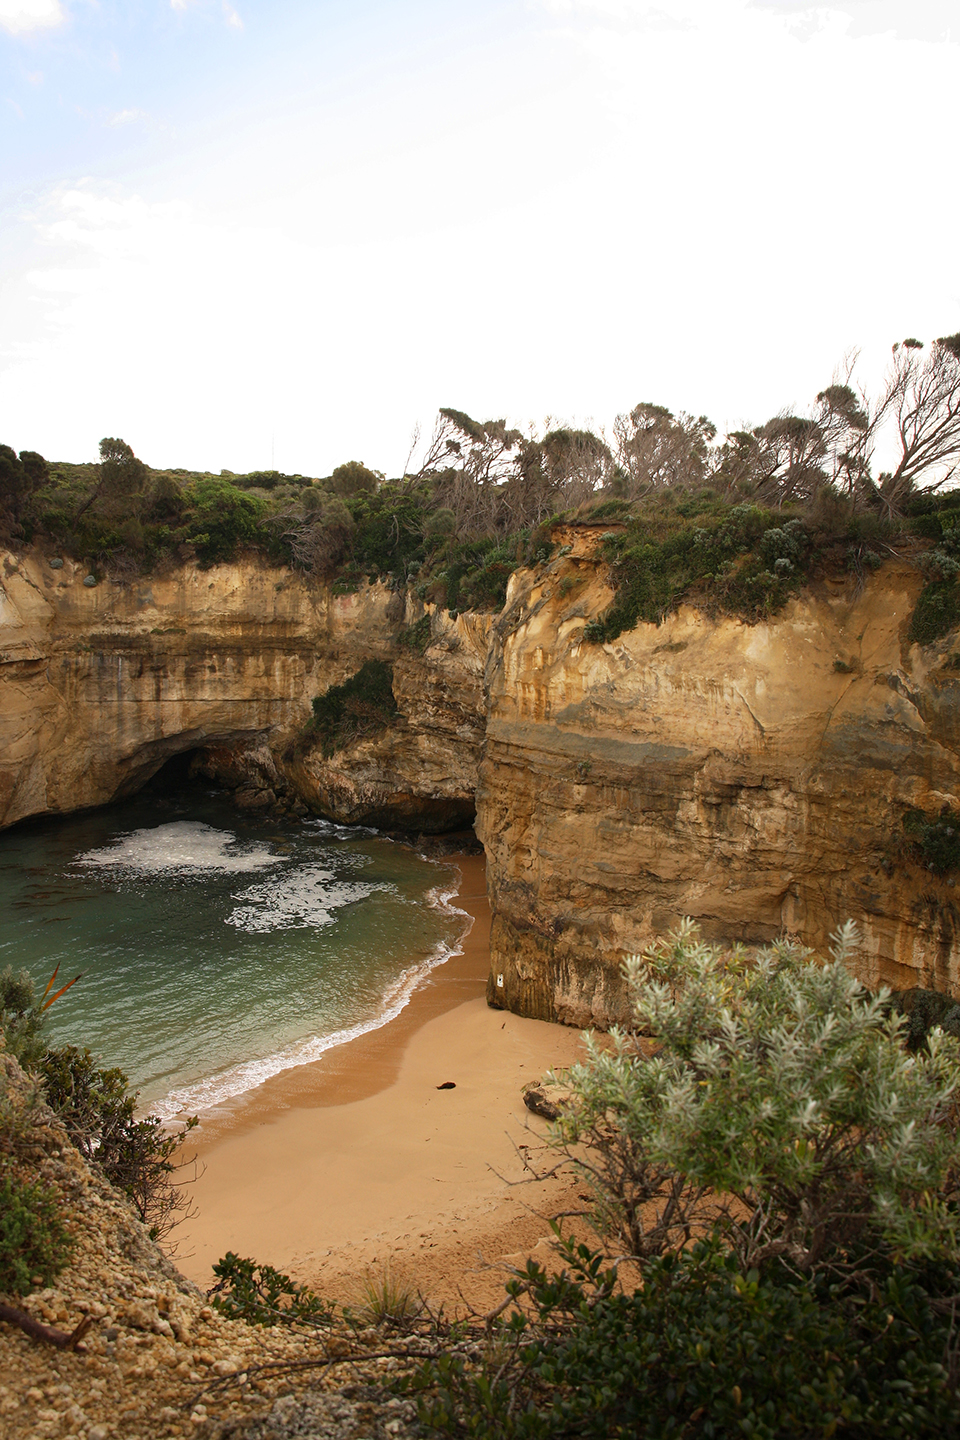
[753, 777]
[421, 771]
[99, 685]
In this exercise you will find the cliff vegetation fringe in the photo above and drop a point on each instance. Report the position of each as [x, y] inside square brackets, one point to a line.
[736, 523]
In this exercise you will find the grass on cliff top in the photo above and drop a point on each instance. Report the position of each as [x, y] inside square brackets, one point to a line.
[743, 560]
[676, 545]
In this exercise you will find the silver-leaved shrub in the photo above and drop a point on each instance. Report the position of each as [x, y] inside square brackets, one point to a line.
[773, 1098]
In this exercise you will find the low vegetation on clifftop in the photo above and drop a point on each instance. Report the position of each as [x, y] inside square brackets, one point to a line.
[735, 523]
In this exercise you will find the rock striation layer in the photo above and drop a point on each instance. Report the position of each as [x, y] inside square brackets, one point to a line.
[755, 777]
[101, 684]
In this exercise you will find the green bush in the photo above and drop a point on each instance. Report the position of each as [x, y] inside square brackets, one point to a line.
[138, 1156]
[222, 519]
[360, 706]
[937, 611]
[933, 840]
[781, 1086]
[389, 531]
[747, 562]
[21, 1018]
[260, 1295]
[781, 1118]
[703, 1350]
[416, 637]
[34, 1245]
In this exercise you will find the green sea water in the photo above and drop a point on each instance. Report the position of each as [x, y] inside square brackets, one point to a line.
[216, 948]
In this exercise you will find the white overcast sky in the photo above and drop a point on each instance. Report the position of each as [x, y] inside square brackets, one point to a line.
[237, 232]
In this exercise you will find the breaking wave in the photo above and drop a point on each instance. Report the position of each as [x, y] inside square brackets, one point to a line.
[218, 1089]
[307, 896]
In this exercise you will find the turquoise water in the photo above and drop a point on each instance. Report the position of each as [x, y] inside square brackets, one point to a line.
[218, 949]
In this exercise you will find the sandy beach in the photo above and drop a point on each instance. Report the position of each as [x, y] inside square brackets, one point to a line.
[359, 1163]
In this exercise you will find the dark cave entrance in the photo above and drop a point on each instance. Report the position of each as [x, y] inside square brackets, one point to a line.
[181, 772]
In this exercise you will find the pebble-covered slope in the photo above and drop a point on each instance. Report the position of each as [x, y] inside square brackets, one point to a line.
[158, 1360]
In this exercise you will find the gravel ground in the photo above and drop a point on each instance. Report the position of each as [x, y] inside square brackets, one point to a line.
[158, 1360]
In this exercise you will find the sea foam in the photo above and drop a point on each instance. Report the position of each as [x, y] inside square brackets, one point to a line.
[217, 1089]
[185, 847]
[306, 896]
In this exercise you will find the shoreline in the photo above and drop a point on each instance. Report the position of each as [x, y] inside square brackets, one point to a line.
[358, 1162]
[369, 1062]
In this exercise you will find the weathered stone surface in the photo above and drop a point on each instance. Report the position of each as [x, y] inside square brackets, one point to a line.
[421, 771]
[754, 777]
[99, 686]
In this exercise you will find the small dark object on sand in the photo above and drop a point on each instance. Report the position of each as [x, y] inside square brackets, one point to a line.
[447, 1085]
[535, 1100]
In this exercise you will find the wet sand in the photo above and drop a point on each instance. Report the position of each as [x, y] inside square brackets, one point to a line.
[358, 1162]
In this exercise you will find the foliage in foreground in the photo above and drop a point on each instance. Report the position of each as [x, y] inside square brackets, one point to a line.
[22, 1014]
[782, 1106]
[34, 1245]
[96, 1107]
[261, 1295]
[98, 1110]
[703, 1349]
[785, 1173]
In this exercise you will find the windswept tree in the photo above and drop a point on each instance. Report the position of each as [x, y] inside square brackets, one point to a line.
[559, 472]
[843, 420]
[469, 462]
[317, 532]
[121, 482]
[20, 477]
[922, 398]
[656, 449]
[792, 456]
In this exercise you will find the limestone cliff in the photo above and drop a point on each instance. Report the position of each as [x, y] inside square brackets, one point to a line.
[101, 684]
[752, 776]
[421, 771]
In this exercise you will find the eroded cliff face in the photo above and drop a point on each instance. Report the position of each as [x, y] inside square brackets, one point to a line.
[753, 777]
[100, 685]
[420, 772]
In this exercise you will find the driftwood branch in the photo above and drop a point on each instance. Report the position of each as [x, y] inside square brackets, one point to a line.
[59, 1338]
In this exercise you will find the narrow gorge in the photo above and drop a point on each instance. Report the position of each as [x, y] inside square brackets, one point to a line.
[755, 777]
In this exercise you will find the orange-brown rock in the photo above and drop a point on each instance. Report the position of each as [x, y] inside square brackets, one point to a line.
[101, 684]
[754, 777]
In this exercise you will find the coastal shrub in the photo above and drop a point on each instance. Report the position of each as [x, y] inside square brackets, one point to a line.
[21, 1019]
[388, 1300]
[933, 840]
[222, 519]
[138, 1156]
[936, 612]
[702, 1349]
[782, 1172]
[416, 637]
[389, 530]
[750, 558]
[260, 1295]
[360, 706]
[34, 1245]
[926, 1010]
[782, 1108]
